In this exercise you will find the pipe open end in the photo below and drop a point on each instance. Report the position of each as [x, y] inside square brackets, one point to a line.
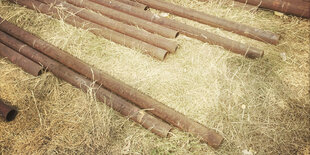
[11, 115]
[146, 8]
[254, 53]
[41, 71]
[176, 48]
[164, 56]
[275, 39]
[177, 34]
[169, 133]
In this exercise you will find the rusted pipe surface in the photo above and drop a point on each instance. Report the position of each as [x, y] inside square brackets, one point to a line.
[134, 3]
[214, 21]
[236, 47]
[51, 2]
[120, 88]
[94, 28]
[190, 31]
[126, 29]
[131, 31]
[8, 113]
[295, 7]
[126, 18]
[117, 103]
[26, 64]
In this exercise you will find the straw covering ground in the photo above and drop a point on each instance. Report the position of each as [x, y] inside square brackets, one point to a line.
[259, 106]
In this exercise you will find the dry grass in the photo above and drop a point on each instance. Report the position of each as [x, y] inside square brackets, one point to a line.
[261, 106]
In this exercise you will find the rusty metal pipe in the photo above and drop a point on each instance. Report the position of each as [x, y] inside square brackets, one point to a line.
[26, 64]
[190, 31]
[96, 29]
[214, 21]
[295, 7]
[8, 113]
[236, 47]
[126, 29]
[134, 3]
[120, 88]
[155, 125]
[126, 18]
[131, 31]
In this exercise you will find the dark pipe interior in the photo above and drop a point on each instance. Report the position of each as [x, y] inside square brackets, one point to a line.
[11, 115]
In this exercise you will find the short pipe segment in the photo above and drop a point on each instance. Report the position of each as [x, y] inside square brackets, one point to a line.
[7, 112]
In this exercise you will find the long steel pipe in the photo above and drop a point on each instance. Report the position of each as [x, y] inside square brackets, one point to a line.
[131, 31]
[95, 28]
[115, 25]
[120, 88]
[296, 7]
[214, 21]
[134, 3]
[26, 64]
[126, 18]
[190, 31]
[156, 125]
[7, 112]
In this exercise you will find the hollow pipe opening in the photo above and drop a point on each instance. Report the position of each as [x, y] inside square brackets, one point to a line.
[164, 57]
[146, 8]
[177, 34]
[11, 115]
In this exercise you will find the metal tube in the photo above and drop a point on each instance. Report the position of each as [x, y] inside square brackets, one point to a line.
[8, 113]
[120, 88]
[190, 31]
[155, 125]
[26, 64]
[126, 18]
[295, 7]
[134, 3]
[109, 23]
[95, 28]
[214, 21]
[131, 31]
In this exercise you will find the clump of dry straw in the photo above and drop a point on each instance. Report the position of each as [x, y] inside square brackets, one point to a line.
[259, 106]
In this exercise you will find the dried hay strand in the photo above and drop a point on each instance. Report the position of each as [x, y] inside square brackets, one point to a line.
[259, 106]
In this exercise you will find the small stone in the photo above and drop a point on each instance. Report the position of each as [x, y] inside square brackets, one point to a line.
[280, 14]
[246, 152]
[283, 56]
[243, 106]
[163, 14]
